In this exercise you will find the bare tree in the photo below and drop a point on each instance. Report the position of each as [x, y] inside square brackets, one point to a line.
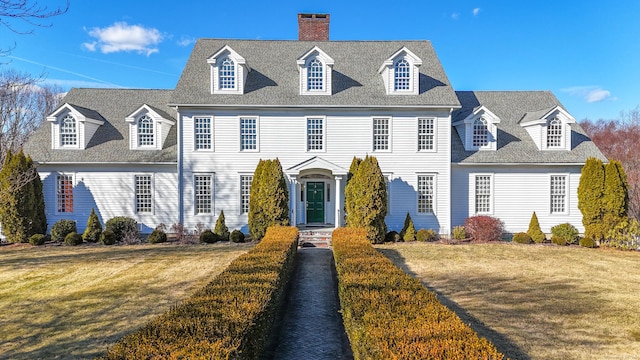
[29, 12]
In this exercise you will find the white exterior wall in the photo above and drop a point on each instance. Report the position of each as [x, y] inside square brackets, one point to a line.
[112, 193]
[517, 192]
[282, 135]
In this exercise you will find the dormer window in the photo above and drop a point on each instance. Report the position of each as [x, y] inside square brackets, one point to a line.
[554, 133]
[146, 135]
[229, 72]
[479, 131]
[315, 68]
[68, 131]
[480, 135]
[148, 128]
[401, 74]
[550, 128]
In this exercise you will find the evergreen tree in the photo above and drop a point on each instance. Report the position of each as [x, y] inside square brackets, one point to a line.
[257, 222]
[366, 200]
[221, 228]
[408, 232]
[269, 202]
[94, 229]
[590, 198]
[615, 200]
[534, 231]
[353, 168]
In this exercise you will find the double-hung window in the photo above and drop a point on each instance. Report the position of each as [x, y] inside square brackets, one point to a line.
[483, 189]
[426, 193]
[68, 131]
[315, 134]
[554, 133]
[145, 131]
[64, 193]
[426, 134]
[227, 74]
[381, 134]
[402, 75]
[203, 189]
[144, 194]
[315, 79]
[245, 192]
[558, 194]
[480, 136]
[248, 134]
[203, 133]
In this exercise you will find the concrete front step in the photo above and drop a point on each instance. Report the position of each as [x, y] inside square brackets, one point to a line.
[313, 238]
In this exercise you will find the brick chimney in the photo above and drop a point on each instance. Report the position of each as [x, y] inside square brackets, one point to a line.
[313, 27]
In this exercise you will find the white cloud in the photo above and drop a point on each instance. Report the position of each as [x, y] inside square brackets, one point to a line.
[185, 41]
[590, 94]
[124, 37]
[455, 16]
[476, 11]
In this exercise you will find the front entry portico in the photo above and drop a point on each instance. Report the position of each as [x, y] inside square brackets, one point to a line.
[316, 193]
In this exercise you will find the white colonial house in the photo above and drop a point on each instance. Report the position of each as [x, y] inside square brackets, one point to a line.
[183, 155]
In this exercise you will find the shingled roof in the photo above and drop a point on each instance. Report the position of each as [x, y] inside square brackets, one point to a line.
[110, 143]
[515, 146]
[274, 79]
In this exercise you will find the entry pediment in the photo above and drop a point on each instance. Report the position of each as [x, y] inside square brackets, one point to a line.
[317, 163]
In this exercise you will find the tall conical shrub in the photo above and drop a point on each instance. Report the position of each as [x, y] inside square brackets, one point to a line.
[269, 201]
[408, 232]
[615, 202]
[534, 231]
[221, 228]
[94, 229]
[590, 198]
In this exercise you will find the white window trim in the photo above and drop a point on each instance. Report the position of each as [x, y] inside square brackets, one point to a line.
[327, 71]
[324, 134]
[435, 134]
[153, 195]
[55, 192]
[389, 135]
[434, 200]
[566, 194]
[491, 195]
[212, 196]
[211, 133]
[240, 176]
[257, 118]
[77, 134]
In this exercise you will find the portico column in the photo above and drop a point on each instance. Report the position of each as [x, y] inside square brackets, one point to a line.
[338, 205]
[294, 201]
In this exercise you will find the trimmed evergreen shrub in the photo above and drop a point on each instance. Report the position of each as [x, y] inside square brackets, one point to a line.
[427, 235]
[615, 201]
[73, 239]
[269, 198]
[61, 229]
[521, 238]
[484, 228]
[590, 198]
[209, 237]
[567, 232]
[625, 236]
[221, 228]
[459, 233]
[93, 230]
[587, 242]
[408, 232]
[534, 231]
[108, 237]
[37, 239]
[392, 236]
[236, 236]
[122, 226]
[157, 236]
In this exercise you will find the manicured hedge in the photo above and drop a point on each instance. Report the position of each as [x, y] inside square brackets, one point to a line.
[390, 315]
[231, 317]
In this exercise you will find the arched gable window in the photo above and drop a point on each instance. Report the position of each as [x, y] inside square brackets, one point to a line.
[145, 131]
[68, 131]
[315, 80]
[402, 75]
[227, 74]
[480, 133]
[554, 133]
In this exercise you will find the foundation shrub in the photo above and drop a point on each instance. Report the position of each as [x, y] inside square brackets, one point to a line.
[392, 236]
[209, 237]
[389, 315]
[221, 228]
[459, 233]
[521, 238]
[229, 318]
[108, 237]
[37, 239]
[427, 235]
[94, 228]
[534, 231]
[61, 229]
[236, 236]
[157, 236]
[587, 242]
[73, 239]
[408, 232]
[122, 226]
[566, 233]
[483, 228]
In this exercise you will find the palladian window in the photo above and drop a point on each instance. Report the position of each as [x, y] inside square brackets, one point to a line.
[145, 131]
[227, 74]
[68, 131]
[554, 133]
[314, 75]
[402, 75]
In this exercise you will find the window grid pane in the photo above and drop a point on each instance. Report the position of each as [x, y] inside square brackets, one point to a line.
[203, 194]
[426, 132]
[483, 194]
[248, 134]
[315, 134]
[480, 136]
[145, 131]
[314, 75]
[554, 133]
[64, 191]
[227, 74]
[144, 196]
[202, 127]
[381, 134]
[558, 194]
[245, 192]
[68, 135]
[402, 75]
[425, 194]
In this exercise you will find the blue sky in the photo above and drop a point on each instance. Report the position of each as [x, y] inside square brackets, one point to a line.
[587, 52]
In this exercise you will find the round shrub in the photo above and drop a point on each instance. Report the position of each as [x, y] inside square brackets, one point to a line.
[73, 239]
[209, 237]
[122, 226]
[392, 236]
[427, 235]
[236, 236]
[459, 233]
[484, 228]
[157, 236]
[61, 229]
[538, 237]
[558, 240]
[587, 242]
[108, 237]
[521, 238]
[37, 239]
[565, 231]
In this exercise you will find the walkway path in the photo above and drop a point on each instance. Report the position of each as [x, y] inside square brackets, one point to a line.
[312, 326]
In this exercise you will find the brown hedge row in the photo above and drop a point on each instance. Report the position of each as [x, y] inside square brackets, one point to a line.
[390, 315]
[230, 318]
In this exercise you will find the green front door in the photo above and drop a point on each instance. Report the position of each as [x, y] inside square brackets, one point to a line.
[315, 202]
